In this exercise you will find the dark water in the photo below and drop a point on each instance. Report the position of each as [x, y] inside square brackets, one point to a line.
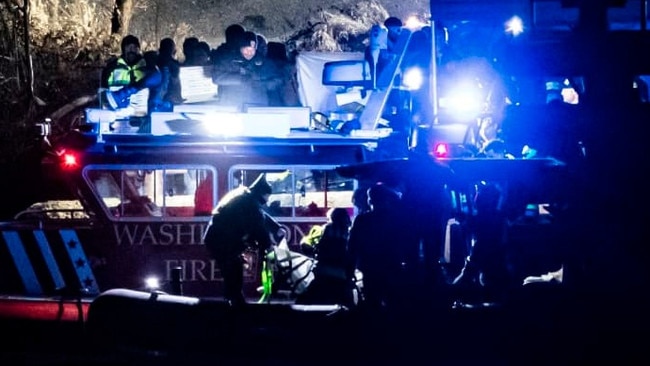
[542, 326]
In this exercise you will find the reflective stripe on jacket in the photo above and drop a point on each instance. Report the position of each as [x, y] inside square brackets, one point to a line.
[123, 74]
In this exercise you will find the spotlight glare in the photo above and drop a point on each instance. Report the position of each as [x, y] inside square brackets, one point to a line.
[152, 283]
[515, 26]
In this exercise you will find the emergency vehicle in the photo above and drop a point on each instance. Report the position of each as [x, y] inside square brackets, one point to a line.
[135, 200]
[138, 187]
[139, 195]
[129, 206]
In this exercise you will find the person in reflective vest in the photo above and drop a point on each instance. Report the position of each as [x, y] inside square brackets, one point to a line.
[128, 74]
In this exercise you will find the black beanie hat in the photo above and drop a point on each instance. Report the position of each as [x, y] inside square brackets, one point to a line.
[260, 186]
[246, 39]
[130, 39]
[393, 22]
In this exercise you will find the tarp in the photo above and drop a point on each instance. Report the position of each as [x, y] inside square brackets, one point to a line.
[311, 91]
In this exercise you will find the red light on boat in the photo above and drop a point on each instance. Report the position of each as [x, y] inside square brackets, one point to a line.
[441, 150]
[69, 160]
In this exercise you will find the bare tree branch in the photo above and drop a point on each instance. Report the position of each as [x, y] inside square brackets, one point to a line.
[81, 101]
[28, 57]
[122, 13]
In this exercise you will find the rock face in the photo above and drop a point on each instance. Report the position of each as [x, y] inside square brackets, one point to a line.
[277, 20]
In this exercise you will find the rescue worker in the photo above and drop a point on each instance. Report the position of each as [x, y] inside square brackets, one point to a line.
[394, 26]
[334, 270]
[376, 248]
[487, 266]
[382, 48]
[417, 62]
[189, 44]
[201, 55]
[285, 94]
[360, 200]
[231, 46]
[128, 74]
[238, 222]
[155, 95]
[244, 77]
[170, 87]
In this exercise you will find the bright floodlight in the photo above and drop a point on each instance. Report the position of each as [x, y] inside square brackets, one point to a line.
[515, 26]
[152, 283]
[413, 23]
[464, 101]
[413, 78]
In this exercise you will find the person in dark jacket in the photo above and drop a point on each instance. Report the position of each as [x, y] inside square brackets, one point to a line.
[360, 200]
[201, 56]
[334, 270]
[383, 45]
[376, 246]
[487, 267]
[238, 222]
[189, 44]
[170, 87]
[285, 92]
[244, 77]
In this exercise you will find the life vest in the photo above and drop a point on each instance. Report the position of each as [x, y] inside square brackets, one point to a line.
[125, 74]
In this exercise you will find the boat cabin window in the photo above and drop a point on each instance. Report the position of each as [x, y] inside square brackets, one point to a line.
[299, 191]
[153, 191]
[129, 192]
